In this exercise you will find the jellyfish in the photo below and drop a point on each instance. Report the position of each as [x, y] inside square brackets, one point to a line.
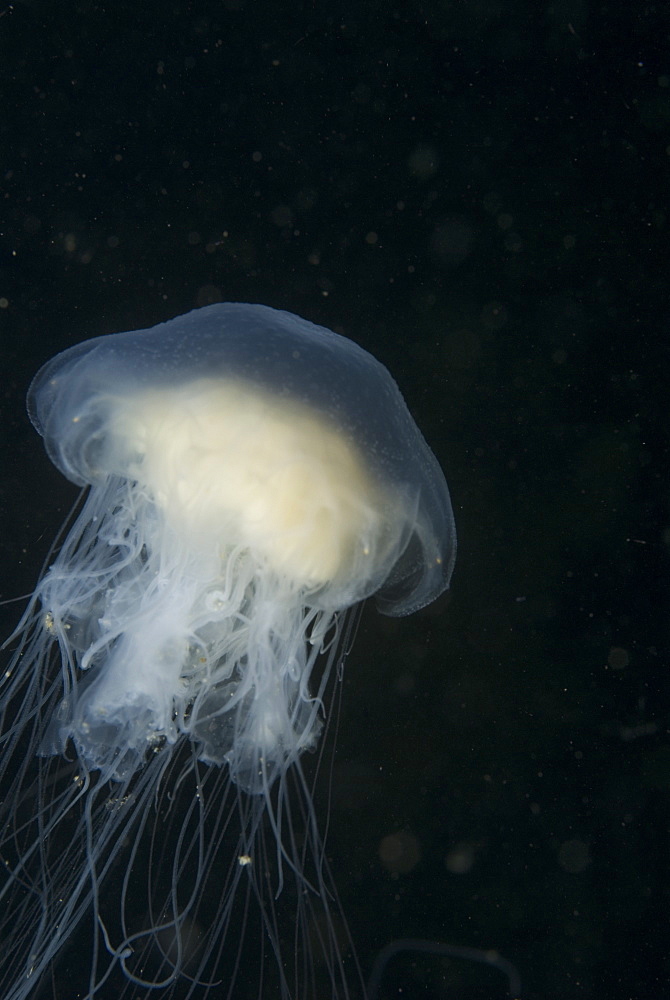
[248, 480]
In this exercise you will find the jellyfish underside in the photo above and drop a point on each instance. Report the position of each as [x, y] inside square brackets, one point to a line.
[173, 666]
[238, 519]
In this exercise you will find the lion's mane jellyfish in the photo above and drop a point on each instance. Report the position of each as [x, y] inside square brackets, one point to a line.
[251, 478]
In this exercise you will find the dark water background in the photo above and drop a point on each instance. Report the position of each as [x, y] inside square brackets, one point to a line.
[478, 193]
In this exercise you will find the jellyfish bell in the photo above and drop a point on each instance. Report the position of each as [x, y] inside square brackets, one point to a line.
[75, 400]
[251, 479]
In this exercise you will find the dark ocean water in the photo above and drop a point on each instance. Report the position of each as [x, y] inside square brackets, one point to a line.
[477, 193]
